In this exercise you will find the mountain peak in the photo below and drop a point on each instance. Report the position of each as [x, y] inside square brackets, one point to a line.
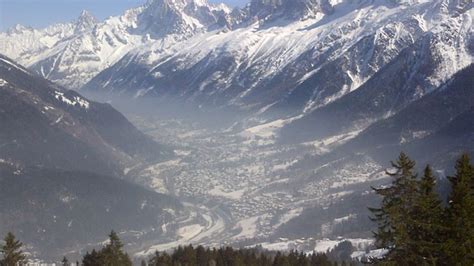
[85, 13]
[162, 17]
[85, 21]
[18, 28]
[295, 9]
[171, 3]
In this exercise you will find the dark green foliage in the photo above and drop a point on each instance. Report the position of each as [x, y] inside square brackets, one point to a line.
[459, 247]
[342, 252]
[12, 252]
[413, 225]
[160, 260]
[202, 256]
[227, 256]
[427, 222]
[395, 216]
[65, 262]
[320, 260]
[110, 255]
[91, 259]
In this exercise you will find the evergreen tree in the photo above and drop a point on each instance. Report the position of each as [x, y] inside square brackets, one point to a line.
[92, 259]
[427, 222]
[459, 245]
[251, 259]
[160, 260]
[188, 256]
[65, 262]
[341, 252]
[395, 216]
[281, 260]
[11, 251]
[202, 257]
[303, 260]
[320, 260]
[112, 254]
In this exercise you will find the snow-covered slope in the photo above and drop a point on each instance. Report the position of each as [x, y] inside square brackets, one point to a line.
[29, 43]
[299, 9]
[282, 62]
[443, 47]
[280, 57]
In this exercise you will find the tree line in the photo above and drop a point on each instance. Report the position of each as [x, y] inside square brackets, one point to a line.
[112, 254]
[227, 256]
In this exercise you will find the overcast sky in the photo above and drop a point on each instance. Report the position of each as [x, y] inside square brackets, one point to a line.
[41, 13]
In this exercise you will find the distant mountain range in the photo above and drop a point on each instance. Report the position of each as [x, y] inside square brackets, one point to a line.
[271, 58]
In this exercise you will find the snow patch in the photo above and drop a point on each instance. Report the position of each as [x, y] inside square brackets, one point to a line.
[248, 228]
[267, 131]
[220, 191]
[190, 231]
[75, 101]
[325, 145]
[376, 254]
[13, 65]
[325, 245]
[284, 166]
[345, 218]
[289, 215]
[67, 198]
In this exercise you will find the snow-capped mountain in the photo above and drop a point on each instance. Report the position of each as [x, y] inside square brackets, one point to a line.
[283, 57]
[86, 22]
[299, 9]
[182, 18]
[73, 53]
[299, 64]
[433, 129]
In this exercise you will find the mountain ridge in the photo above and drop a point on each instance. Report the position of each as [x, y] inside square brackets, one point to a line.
[62, 167]
[103, 139]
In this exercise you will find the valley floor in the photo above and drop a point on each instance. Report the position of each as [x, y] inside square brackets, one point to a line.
[240, 187]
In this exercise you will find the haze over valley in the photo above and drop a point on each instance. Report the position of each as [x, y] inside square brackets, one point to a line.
[186, 122]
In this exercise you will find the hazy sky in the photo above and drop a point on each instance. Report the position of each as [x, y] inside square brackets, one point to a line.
[41, 13]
